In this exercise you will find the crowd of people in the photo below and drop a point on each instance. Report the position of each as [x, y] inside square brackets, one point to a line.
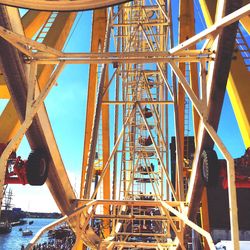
[65, 242]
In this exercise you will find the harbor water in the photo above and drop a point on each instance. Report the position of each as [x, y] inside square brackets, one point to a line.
[14, 240]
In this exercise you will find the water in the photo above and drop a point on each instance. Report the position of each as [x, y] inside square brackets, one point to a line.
[14, 240]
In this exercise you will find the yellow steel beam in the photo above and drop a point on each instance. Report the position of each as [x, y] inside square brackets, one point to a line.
[9, 123]
[58, 181]
[105, 147]
[205, 216]
[196, 121]
[194, 85]
[56, 38]
[187, 30]
[208, 8]
[245, 21]
[238, 91]
[183, 21]
[32, 21]
[239, 75]
[98, 35]
[97, 41]
[186, 25]
[4, 92]
[9, 119]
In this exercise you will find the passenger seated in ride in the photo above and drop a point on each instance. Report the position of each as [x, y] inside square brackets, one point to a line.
[149, 197]
[146, 169]
[145, 141]
[140, 168]
[150, 82]
[147, 112]
[141, 196]
[150, 168]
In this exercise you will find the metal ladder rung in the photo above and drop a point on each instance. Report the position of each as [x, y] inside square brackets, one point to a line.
[46, 27]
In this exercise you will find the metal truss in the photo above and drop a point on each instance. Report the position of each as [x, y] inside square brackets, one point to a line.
[88, 205]
[146, 205]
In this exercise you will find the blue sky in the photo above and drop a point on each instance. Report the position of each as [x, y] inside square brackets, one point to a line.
[66, 106]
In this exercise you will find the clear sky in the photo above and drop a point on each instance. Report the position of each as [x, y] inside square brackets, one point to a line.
[66, 106]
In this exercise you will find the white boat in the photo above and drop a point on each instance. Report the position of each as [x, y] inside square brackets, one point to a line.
[27, 232]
